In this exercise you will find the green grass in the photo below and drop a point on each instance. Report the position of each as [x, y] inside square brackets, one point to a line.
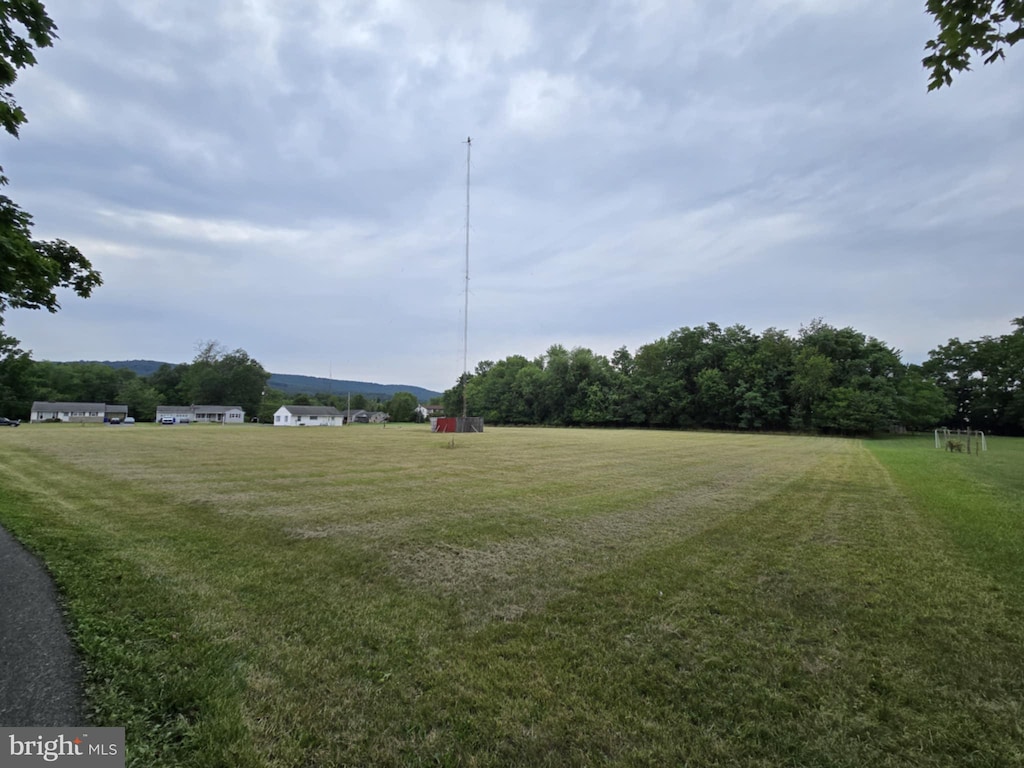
[364, 596]
[978, 499]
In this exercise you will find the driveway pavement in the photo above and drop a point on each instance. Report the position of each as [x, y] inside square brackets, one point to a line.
[40, 680]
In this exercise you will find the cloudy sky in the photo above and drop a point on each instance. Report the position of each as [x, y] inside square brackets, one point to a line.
[289, 177]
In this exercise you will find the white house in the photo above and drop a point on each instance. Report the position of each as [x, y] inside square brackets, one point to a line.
[181, 414]
[77, 412]
[205, 414]
[308, 416]
[218, 414]
[426, 411]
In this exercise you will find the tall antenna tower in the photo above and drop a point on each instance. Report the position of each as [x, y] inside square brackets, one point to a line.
[465, 312]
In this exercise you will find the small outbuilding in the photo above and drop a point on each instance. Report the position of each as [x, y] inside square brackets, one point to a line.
[457, 424]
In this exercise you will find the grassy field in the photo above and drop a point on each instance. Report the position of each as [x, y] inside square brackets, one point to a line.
[250, 596]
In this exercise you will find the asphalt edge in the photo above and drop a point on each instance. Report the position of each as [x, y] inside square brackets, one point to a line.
[41, 680]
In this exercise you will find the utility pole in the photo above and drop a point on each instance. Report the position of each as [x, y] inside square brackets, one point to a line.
[465, 313]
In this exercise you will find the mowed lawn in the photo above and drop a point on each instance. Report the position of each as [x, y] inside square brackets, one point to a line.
[251, 596]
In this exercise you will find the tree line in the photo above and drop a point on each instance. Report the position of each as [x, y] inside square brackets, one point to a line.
[824, 379]
[215, 376]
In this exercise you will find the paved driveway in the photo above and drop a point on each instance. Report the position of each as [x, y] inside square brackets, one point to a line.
[40, 680]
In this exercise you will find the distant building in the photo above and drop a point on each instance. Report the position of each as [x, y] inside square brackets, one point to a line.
[218, 414]
[179, 414]
[359, 416]
[426, 411]
[308, 416]
[204, 414]
[356, 416]
[43, 410]
[117, 412]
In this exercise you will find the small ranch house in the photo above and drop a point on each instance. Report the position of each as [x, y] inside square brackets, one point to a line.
[205, 414]
[76, 412]
[218, 414]
[180, 414]
[308, 416]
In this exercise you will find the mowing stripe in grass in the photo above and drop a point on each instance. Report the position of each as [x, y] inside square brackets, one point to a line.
[533, 597]
[978, 500]
[824, 626]
[174, 689]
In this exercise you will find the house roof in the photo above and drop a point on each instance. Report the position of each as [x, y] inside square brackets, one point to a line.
[355, 412]
[312, 410]
[45, 405]
[197, 408]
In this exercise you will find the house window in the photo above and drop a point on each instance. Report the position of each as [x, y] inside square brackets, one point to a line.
[312, 418]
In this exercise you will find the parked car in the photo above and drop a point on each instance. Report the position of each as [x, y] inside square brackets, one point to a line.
[9, 422]
[167, 420]
[129, 420]
[115, 420]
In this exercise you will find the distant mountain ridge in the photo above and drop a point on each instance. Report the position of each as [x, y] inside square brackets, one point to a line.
[294, 384]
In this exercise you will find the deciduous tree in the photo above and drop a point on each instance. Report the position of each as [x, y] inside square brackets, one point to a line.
[922, 404]
[402, 406]
[983, 380]
[18, 381]
[140, 398]
[166, 380]
[80, 382]
[31, 271]
[217, 377]
[969, 28]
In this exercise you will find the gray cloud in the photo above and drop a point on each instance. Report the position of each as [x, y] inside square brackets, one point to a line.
[289, 178]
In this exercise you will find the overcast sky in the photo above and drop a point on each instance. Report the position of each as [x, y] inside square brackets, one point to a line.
[290, 178]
